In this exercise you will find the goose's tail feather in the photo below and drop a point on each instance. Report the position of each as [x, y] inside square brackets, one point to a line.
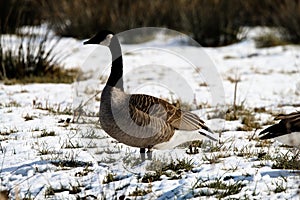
[271, 132]
[209, 134]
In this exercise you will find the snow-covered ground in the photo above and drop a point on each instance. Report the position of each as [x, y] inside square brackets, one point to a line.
[42, 158]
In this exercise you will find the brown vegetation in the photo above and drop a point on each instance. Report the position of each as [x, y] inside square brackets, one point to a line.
[210, 22]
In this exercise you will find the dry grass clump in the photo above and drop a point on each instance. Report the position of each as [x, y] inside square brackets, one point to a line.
[31, 58]
[247, 117]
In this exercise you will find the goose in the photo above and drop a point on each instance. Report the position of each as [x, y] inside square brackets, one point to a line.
[286, 131]
[141, 120]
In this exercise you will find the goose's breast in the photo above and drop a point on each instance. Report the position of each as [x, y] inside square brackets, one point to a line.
[114, 103]
[116, 119]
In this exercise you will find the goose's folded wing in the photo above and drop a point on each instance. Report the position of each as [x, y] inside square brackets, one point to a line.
[191, 121]
[149, 126]
[162, 109]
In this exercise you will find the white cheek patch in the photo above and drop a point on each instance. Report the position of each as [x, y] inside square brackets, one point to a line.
[107, 40]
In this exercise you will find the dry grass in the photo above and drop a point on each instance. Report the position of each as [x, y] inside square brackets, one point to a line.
[269, 40]
[210, 22]
[30, 58]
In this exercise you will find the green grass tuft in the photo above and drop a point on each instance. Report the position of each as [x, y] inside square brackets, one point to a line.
[287, 161]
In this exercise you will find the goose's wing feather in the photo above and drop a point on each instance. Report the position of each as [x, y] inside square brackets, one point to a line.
[162, 109]
[143, 119]
[155, 129]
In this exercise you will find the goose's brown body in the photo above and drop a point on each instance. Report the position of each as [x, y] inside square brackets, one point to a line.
[141, 120]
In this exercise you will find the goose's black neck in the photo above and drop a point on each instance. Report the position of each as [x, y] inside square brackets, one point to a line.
[116, 75]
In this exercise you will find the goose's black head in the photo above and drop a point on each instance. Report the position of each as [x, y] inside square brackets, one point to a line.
[102, 38]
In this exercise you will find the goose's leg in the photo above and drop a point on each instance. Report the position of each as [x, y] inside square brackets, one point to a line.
[142, 153]
[149, 154]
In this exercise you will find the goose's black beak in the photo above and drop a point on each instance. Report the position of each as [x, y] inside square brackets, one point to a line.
[87, 42]
[90, 41]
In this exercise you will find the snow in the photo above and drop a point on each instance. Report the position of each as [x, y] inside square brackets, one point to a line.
[81, 155]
